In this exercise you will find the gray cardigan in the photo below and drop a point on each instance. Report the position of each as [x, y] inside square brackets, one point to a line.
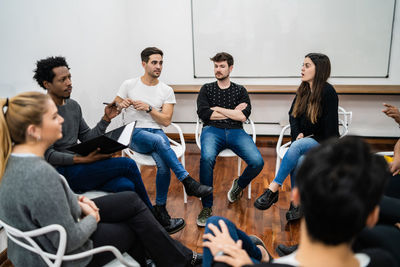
[33, 195]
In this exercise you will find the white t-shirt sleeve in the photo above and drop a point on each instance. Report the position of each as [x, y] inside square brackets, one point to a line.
[123, 90]
[170, 96]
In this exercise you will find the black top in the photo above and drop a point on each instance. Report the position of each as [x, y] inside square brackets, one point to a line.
[211, 95]
[327, 124]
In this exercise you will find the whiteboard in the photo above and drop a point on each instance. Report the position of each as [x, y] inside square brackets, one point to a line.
[269, 38]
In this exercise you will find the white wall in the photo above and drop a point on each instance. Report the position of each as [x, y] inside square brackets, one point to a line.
[102, 41]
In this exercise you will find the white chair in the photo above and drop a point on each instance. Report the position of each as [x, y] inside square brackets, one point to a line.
[26, 240]
[145, 159]
[228, 152]
[345, 118]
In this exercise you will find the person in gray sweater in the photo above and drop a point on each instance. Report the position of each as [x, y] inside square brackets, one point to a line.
[33, 195]
[95, 171]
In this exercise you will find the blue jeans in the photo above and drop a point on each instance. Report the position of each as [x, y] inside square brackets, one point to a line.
[110, 175]
[252, 250]
[155, 142]
[213, 141]
[293, 158]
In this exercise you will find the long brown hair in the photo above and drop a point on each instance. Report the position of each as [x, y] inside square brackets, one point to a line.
[22, 110]
[308, 100]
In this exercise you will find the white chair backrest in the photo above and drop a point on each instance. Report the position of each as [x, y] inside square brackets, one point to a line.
[345, 118]
[25, 240]
[56, 259]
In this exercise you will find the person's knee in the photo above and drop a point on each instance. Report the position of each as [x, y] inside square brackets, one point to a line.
[160, 143]
[125, 185]
[208, 156]
[214, 220]
[128, 197]
[256, 162]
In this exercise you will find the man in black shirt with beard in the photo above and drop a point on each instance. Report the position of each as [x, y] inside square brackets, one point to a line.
[223, 106]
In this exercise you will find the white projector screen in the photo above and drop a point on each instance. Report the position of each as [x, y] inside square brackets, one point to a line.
[269, 38]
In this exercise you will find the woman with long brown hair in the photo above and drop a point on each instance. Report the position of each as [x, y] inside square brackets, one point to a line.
[34, 195]
[313, 118]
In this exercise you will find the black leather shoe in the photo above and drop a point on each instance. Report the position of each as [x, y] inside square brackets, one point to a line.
[171, 225]
[197, 259]
[283, 250]
[294, 213]
[258, 242]
[266, 200]
[194, 188]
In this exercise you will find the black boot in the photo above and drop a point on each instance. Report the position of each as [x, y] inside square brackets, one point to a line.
[194, 188]
[283, 250]
[294, 213]
[266, 200]
[170, 225]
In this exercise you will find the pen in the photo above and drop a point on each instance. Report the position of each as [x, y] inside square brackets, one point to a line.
[113, 104]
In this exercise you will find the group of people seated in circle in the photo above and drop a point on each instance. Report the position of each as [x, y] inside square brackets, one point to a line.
[337, 184]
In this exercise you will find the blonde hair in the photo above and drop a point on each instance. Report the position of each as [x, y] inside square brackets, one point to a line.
[22, 110]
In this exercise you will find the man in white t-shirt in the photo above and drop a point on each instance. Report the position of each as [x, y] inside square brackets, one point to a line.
[151, 103]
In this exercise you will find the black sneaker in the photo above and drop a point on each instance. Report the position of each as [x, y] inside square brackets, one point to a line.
[294, 213]
[170, 225]
[266, 200]
[236, 192]
[283, 250]
[194, 188]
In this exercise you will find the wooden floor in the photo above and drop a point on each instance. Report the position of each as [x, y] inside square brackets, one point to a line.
[270, 225]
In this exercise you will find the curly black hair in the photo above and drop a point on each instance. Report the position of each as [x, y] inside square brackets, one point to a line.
[44, 69]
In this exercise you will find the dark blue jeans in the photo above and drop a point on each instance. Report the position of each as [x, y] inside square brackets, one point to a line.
[213, 141]
[155, 142]
[110, 175]
[252, 250]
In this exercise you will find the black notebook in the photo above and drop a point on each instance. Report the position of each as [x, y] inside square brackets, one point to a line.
[110, 142]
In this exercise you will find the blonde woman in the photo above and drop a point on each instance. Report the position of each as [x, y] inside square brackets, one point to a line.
[33, 195]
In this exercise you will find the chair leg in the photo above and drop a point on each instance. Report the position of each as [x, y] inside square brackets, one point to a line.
[184, 191]
[239, 166]
[278, 164]
[239, 173]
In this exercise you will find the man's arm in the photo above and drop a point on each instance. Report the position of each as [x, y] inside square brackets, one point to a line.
[215, 116]
[234, 114]
[163, 117]
[241, 111]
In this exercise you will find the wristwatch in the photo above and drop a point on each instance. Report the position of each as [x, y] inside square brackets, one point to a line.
[149, 110]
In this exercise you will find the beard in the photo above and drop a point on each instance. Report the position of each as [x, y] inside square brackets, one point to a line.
[221, 78]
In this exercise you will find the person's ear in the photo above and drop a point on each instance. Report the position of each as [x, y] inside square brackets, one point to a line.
[143, 64]
[33, 133]
[373, 217]
[230, 68]
[46, 84]
[296, 196]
